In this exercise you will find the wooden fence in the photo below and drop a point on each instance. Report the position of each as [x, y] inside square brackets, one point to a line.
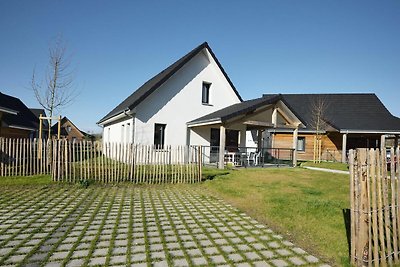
[74, 161]
[20, 157]
[119, 162]
[375, 210]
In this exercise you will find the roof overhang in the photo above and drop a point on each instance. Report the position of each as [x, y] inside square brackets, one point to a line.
[123, 114]
[352, 131]
[8, 111]
[288, 130]
[22, 127]
[203, 123]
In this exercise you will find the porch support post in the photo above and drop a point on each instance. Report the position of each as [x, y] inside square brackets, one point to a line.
[344, 147]
[295, 135]
[383, 143]
[242, 138]
[396, 141]
[221, 147]
[259, 140]
[274, 118]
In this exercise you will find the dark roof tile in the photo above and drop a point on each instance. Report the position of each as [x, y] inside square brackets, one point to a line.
[24, 119]
[364, 112]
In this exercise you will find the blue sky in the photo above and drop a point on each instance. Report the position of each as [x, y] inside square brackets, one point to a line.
[264, 46]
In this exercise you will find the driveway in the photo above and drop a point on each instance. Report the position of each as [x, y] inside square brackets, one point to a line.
[139, 226]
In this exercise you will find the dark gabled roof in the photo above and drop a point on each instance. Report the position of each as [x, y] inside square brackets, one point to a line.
[237, 109]
[363, 112]
[37, 112]
[54, 128]
[151, 85]
[24, 117]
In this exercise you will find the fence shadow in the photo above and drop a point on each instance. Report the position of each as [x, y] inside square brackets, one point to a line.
[347, 224]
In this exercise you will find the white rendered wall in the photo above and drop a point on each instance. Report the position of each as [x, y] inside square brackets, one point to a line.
[121, 132]
[178, 101]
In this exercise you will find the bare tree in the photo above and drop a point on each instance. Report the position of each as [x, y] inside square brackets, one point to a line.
[318, 123]
[58, 90]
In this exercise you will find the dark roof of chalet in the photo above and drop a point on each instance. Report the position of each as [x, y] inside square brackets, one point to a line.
[37, 112]
[237, 109]
[151, 85]
[363, 112]
[24, 117]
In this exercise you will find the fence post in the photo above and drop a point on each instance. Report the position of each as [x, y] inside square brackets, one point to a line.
[363, 244]
[200, 163]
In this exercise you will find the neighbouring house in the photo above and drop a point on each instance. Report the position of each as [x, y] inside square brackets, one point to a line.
[69, 131]
[17, 120]
[351, 121]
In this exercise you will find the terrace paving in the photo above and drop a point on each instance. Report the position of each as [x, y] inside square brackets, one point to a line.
[134, 226]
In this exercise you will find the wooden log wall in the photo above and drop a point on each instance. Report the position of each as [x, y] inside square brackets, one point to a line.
[375, 210]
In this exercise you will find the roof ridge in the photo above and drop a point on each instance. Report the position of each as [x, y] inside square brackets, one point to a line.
[159, 79]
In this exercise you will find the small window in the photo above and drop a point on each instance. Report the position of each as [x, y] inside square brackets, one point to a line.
[205, 96]
[128, 131]
[159, 134]
[68, 129]
[301, 144]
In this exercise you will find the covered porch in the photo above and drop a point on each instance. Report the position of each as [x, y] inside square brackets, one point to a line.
[235, 134]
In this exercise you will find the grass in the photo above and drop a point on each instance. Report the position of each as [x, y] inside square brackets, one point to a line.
[26, 180]
[327, 165]
[304, 205]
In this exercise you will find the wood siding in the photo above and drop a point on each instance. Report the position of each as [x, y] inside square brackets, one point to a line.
[14, 133]
[331, 145]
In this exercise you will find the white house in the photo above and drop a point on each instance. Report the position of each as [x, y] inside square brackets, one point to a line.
[158, 112]
[193, 102]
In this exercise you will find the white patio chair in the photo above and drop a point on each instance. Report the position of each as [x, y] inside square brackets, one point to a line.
[256, 158]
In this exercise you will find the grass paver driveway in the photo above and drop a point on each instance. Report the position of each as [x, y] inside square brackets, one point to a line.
[64, 225]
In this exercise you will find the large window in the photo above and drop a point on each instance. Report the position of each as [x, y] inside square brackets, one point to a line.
[159, 134]
[231, 139]
[301, 143]
[205, 95]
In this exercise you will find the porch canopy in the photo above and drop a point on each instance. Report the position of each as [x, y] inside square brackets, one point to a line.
[257, 114]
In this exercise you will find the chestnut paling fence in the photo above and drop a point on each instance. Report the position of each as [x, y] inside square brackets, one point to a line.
[375, 210]
[74, 161]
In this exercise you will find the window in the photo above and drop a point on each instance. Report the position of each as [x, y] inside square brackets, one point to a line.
[159, 134]
[128, 131]
[68, 129]
[205, 95]
[301, 144]
[214, 140]
[231, 139]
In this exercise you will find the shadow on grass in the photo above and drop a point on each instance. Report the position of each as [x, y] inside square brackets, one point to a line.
[347, 221]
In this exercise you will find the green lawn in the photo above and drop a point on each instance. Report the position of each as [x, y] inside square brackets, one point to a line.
[26, 180]
[304, 205]
[327, 165]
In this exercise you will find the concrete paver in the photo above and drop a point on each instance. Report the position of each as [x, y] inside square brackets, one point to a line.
[166, 226]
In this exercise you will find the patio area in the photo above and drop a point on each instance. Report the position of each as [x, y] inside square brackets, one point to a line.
[139, 226]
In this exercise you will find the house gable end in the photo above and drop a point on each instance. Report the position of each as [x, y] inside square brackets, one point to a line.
[157, 81]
